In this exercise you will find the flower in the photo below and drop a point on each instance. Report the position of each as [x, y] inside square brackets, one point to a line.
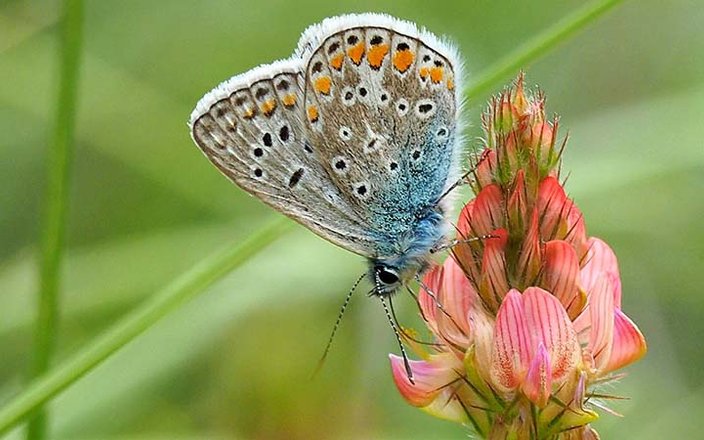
[526, 314]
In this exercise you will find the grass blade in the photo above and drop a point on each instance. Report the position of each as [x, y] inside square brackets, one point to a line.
[539, 45]
[59, 156]
[136, 322]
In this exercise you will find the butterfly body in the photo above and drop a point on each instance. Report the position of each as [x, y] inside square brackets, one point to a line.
[354, 136]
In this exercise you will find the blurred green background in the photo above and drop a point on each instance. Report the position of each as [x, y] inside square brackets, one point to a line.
[236, 362]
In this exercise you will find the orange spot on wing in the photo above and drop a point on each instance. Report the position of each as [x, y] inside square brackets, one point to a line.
[424, 72]
[249, 113]
[376, 54]
[268, 107]
[403, 60]
[336, 61]
[436, 74]
[356, 52]
[312, 113]
[450, 84]
[289, 100]
[322, 85]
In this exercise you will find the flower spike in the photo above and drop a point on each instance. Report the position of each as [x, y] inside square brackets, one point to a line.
[527, 321]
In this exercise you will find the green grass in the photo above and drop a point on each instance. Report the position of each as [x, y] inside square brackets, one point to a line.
[57, 201]
[184, 288]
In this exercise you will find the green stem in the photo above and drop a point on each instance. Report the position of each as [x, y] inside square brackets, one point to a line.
[59, 156]
[184, 288]
[209, 270]
[539, 45]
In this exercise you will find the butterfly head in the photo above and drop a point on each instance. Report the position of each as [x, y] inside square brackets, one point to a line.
[388, 278]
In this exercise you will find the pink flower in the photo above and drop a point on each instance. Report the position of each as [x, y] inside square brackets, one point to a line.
[526, 320]
[534, 345]
[612, 340]
[436, 382]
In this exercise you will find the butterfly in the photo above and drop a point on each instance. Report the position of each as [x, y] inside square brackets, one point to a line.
[354, 136]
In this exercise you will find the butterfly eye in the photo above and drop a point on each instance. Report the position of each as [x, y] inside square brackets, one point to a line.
[386, 275]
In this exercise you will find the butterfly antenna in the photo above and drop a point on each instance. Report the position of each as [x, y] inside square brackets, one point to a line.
[407, 364]
[337, 324]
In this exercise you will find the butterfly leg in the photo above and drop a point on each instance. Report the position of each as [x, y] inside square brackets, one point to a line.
[435, 299]
[463, 180]
[455, 242]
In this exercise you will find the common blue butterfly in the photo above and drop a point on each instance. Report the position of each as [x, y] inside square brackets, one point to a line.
[355, 136]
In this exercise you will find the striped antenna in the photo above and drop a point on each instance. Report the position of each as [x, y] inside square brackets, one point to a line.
[337, 324]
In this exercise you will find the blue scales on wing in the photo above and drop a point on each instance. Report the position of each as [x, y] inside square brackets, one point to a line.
[382, 109]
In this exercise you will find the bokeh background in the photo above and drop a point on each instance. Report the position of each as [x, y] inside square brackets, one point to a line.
[236, 362]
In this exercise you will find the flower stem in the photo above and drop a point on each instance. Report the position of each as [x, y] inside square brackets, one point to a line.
[181, 290]
[539, 45]
[59, 156]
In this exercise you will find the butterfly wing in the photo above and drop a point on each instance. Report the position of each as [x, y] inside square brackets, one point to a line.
[381, 102]
[251, 128]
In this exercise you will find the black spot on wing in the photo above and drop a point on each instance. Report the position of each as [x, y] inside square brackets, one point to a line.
[296, 177]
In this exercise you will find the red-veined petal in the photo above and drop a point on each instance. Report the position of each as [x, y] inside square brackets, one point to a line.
[628, 343]
[494, 285]
[537, 385]
[512, 351]
[601, 261]
[487, 212]
[560, 273]
[549, 324]
[434, 383]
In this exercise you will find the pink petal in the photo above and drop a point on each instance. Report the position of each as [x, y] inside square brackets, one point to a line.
[428, 306]
[600, 324]
[457, 297]
[560, 217]
[467, 254]
[487, 212]
[576, 232]
[512, 351]
[494, 285]
[517, 204]
[433, 389]
[601, 261]
[537, 385]
[551, 201]
[464, 221]
[482, 333]
[530, 258]
[628, 343]
[560, 271]
[549, 324]
[486, 167]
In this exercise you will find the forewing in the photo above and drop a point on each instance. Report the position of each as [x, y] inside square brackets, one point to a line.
[252, 129]
[381, 101]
